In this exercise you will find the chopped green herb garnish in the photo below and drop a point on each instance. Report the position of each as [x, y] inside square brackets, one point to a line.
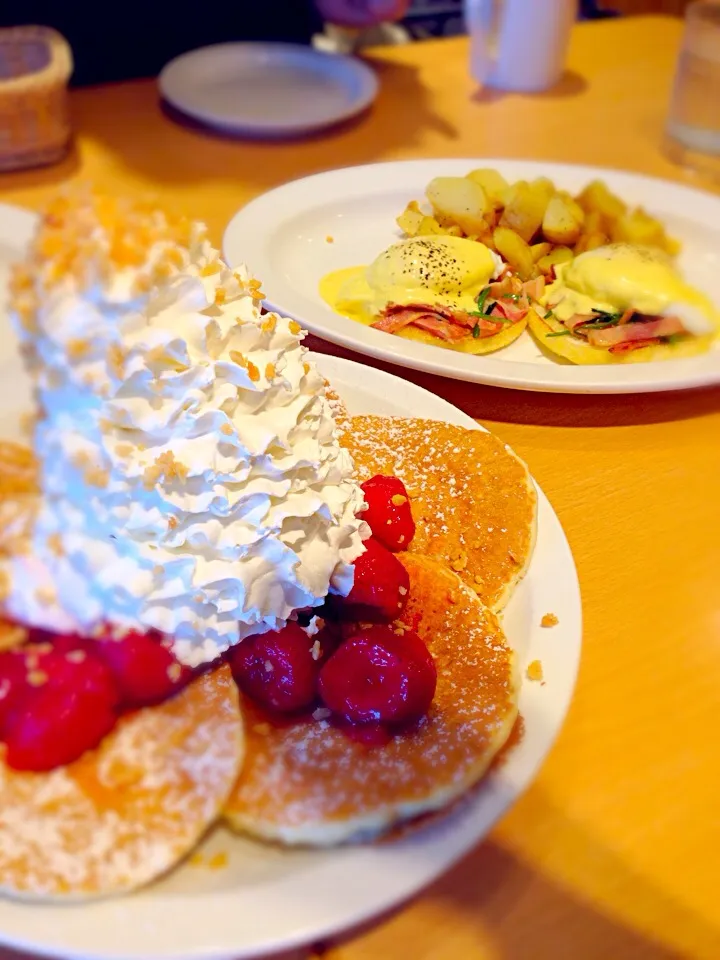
[495, 317]
[675, 337]
[511, 296]
[548, 315]
[560, 333]
[598, 324]
[476, 331]
[482, 297]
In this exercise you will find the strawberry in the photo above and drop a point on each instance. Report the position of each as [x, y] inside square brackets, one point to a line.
[379, 676]
[25, 670]
[388, 512]
[55, 726]
[380, 589]
[12, 684]
[145, 670]
[64, 704]
[64, 642]
[277, 669]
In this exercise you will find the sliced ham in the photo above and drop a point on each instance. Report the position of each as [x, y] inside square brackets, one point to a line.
[441, 321]
[511, 310]
[511, 285]
[392, 322]
[630, 345]
[534, 289]
[635, 332]
[486, 326]
[508, 298]
[439, 328]
[501, 288]
[578, 319]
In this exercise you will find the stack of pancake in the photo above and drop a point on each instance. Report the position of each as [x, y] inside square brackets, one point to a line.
[474, 505]
[126, 813]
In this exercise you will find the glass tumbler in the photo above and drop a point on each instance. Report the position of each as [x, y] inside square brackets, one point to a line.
[693, 124]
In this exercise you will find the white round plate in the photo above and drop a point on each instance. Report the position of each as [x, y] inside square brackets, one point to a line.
[267, 89]
[267, 899]
[282, 236]
[16, 229]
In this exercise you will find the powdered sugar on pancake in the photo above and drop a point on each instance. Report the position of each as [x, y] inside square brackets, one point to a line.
[472, 498]
[306, 782]
[127, 812]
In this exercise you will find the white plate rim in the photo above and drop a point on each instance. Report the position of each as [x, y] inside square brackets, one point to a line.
[407, 866]
[170, 82]
[249, 234]
[17, 225]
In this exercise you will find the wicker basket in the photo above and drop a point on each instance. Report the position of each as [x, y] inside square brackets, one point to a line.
[35, 66]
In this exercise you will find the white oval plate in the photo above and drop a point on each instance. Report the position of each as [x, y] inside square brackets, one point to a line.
[16, 229]
[267, 89]
[267, 899]
[283, 236]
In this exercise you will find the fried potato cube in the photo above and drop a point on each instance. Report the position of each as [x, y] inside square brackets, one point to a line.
[410, 219]
[563, 220]
[454, 231]
[544, 186]
[540, 250]
[596, 196]
[485, 237]
[493, 183]
[590, 241]
[638, 227]
[524, 209]
[428, 227]
[556, 256]
[512, 247]
[595, 222]
[457, 200]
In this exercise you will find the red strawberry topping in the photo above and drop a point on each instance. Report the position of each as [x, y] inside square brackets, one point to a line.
[388, 512]
[380, 589]
[62, 705]
[145, 669]
[27, 669]
[56, 726]
[277, 669]
[379, 675]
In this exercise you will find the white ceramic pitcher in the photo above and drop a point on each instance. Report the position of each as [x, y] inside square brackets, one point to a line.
[519, 44]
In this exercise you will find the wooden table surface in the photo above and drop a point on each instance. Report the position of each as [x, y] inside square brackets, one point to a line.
[614, 852]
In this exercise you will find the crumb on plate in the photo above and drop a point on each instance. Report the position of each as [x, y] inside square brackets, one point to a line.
[549, 620]
[218, 861]
[534, 670]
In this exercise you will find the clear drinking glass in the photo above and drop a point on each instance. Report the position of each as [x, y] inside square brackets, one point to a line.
[693, 125]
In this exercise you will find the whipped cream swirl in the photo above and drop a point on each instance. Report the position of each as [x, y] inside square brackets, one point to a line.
[192, 480]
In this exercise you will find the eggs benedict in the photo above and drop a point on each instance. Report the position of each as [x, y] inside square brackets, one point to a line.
[438, 290]
[623, 303]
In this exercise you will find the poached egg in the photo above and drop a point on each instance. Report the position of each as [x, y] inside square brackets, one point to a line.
[620, 277]
[439, 270]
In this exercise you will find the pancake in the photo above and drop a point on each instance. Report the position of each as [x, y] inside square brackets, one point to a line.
[306, 782]
[125, 813]
[473, 500]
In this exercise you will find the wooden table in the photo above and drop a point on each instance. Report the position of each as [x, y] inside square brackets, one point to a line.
[615, 850]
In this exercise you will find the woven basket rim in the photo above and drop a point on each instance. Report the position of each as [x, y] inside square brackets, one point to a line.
[56, 71]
